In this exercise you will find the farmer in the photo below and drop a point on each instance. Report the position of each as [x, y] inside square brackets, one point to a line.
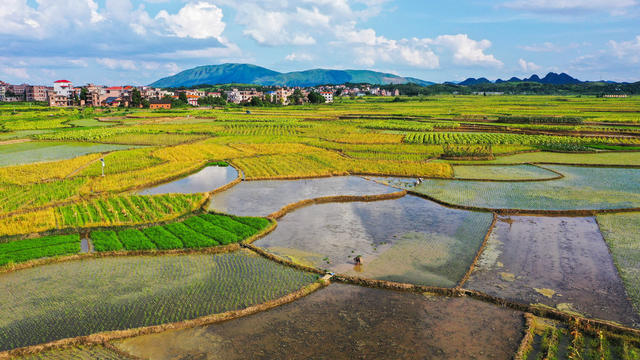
[358, 260]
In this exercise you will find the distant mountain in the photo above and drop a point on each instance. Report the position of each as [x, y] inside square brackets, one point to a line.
[252, 74]
[473, 81]
[551, 78]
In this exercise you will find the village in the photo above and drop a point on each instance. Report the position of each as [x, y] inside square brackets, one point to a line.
[64, 94]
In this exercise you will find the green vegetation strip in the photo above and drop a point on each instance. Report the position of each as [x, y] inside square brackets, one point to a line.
[198, 231]
[48, 246]
[622, 233]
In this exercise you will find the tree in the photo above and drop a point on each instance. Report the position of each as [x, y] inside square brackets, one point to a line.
[296, 98]
[183, 98]
[136, 98]
[316, 98]
[145, 103]
[84, 93]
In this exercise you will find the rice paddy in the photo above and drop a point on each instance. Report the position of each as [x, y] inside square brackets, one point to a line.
[408, 240]
[88, 296]
[82, 253]
[581, 188]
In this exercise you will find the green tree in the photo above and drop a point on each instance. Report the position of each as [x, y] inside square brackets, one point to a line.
[183, 98]
[316, 98]
[296, 98]
[136, 98]
[84, 93]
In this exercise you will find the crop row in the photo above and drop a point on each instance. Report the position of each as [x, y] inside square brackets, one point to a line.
[24, 250]
[198, 231]
[500, 138]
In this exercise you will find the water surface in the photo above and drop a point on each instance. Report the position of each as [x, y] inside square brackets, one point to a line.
[408, 239]
[261, 198]
[205, 180]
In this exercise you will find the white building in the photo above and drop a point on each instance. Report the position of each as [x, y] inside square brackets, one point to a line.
[328, 96]
[63, 88]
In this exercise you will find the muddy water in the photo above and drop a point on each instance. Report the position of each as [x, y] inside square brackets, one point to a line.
[349, 322]
[261, 198]
[207, 179]
[560, 262]
[408, 239]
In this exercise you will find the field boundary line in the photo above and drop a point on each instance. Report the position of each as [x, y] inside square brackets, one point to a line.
[104, 337]
[335, 199]
[527, 339]
[467, 275]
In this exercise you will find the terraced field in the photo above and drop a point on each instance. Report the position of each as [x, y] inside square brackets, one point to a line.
[82, 253]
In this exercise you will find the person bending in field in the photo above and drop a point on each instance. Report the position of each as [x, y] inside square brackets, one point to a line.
[358, 260]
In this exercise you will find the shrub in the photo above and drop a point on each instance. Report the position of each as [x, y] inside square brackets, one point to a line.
[105, 241]
[134, 239]
[163, 239]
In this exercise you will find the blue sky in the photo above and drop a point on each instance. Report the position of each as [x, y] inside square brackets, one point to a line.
[139, 41]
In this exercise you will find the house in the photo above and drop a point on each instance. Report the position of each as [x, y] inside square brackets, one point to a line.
[193, 100]
[615, 95]
[159, 104]
[328, 96]
[214, 94]
[282, 95]
[234, 96]
[36, 93]
[56, 100]
[63, 88]
[114, 101]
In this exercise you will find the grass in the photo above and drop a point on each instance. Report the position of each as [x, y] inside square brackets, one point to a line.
[134, 239]
[622, 233]
[162, 238]
[106, 241]
[93, 295]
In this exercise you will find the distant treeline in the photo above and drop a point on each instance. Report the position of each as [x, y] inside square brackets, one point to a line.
[520, 88]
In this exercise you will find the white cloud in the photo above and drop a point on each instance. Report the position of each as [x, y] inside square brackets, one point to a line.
[628, 51]
[199, 21]
[614, 7]
[205, 53]
[527, 66]
[467, 51]
[117, 64]
[298, 57]
[20, 73]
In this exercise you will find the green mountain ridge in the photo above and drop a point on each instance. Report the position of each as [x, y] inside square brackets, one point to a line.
[252, 74]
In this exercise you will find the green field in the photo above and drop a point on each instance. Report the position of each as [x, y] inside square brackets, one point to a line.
[84, 297]
[622, 233]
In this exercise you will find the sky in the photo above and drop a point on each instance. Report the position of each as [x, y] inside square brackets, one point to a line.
[116, 42]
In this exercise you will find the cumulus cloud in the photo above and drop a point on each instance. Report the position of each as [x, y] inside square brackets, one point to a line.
[527, 66]
[614, 7]
[467, 51]
[628, 51]
[114, 64]
[197, 20]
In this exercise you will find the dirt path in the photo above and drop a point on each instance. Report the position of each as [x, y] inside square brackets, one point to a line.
[15, 141]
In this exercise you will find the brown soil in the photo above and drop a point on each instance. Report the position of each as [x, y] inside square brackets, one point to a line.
[559, 262]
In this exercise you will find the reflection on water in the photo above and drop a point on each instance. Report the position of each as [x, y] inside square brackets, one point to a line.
[261, 198]
[349, 322]
[205, 180]
[409, 239]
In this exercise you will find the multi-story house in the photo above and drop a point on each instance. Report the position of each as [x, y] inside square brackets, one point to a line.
[36, 93]
[328, 96]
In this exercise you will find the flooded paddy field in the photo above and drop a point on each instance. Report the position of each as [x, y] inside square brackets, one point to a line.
[582, 188]
[37, 151]
[559, 262]
[205, 180]
[86, 352]
[83, 297]
[349, 322]
[261, 198]
[407, 240]
[496, 172]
